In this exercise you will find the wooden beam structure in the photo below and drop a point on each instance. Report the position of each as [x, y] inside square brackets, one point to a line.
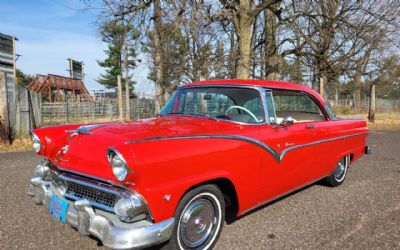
[54, 86]
[4, 118]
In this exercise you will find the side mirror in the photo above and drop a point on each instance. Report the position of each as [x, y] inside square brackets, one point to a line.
[287, 121]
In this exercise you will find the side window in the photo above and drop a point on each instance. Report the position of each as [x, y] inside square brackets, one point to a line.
[300, 106]
[202, 103]
[255, 106]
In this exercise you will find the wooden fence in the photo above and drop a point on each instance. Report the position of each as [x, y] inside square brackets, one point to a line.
[23, 113]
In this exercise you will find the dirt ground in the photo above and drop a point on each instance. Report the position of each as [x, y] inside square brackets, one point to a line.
[363, 213]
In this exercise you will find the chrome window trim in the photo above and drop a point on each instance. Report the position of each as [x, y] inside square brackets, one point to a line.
[255, 87]
[264, 102]
[277, 156]
[269, 91]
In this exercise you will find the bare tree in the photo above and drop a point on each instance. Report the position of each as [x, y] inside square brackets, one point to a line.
[242, 14]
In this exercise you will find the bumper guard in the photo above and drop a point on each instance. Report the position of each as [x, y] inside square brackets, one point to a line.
[82, 216]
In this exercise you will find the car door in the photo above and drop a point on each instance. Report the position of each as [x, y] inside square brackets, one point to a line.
[296, 158]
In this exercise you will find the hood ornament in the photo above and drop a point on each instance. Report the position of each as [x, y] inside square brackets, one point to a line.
[65, 149]
[86, 129]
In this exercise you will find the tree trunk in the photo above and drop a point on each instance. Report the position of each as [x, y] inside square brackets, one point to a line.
[243, 26]
[271, 51]
[336, 98]
[127, 80]
[315, 80]
[361, 65]
[120, 112]
[357, 85]
[254, 54]
[232, 54]
[371, 112]
[158, 60]
[321, 86]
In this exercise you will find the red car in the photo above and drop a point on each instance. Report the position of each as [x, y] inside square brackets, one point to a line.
[217, 148]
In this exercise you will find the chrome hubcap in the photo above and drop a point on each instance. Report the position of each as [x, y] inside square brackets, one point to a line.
[197, 222]
[340, 170]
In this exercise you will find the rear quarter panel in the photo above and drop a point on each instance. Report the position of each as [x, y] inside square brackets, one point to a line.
[351, 138]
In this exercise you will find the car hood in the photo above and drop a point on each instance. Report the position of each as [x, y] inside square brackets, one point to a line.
[84, 151]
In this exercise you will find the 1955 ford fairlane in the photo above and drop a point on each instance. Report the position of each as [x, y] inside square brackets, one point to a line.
[220, 147]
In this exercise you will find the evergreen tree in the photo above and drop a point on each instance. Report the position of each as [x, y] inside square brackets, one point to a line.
[23, 79]
[114, 34]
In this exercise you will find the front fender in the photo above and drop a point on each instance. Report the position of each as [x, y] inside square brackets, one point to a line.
[167, 169]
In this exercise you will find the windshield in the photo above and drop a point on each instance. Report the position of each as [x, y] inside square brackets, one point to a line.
[229, 103]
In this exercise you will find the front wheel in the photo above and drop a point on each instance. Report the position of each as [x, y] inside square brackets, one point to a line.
[200, 217]
[339, 172]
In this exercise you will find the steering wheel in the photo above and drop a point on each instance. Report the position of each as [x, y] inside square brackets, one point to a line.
[244, 109]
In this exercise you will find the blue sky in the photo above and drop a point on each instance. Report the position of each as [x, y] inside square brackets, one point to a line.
[50, 31]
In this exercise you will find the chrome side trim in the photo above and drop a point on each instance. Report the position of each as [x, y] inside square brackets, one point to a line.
[277, 156]
[228, 137]
[317, 142]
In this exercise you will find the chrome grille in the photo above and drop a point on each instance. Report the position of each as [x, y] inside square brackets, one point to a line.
[98, 198]
[73, 187]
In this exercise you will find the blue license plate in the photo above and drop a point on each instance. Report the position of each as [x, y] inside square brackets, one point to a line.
[58, 208]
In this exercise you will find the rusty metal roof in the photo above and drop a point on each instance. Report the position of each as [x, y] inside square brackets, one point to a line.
[44, 83]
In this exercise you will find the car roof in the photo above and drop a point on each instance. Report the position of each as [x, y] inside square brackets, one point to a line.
[272, 84]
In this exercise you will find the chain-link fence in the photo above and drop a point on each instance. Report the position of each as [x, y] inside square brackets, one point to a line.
[347, 106]
[83, 112]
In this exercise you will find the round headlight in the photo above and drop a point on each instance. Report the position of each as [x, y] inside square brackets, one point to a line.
[119, 168]
[130, 209]
[118, 164]
[37, 145]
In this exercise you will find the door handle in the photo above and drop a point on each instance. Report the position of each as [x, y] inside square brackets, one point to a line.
[310, 126]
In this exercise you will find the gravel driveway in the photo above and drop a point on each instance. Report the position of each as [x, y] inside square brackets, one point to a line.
[363, 213]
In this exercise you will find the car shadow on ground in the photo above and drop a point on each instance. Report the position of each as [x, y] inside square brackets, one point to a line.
[233, 218]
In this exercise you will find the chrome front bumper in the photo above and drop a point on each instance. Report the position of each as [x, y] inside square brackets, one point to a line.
[82, 216]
